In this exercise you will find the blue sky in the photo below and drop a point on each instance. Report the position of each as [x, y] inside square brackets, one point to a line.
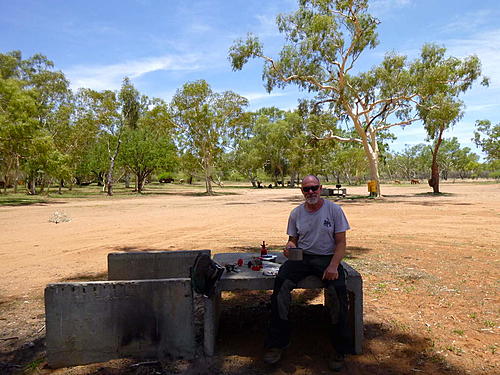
[161, 45]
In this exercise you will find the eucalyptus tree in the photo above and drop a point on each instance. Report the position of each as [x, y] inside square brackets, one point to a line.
[103, 110]
[441, 80]
[487, 136]
[42, 101]
[324, 41]
[411, 162]
[149, 146]
[455, 160]
[248, 160]
[17, 127]
[207, 123]
[110, 113]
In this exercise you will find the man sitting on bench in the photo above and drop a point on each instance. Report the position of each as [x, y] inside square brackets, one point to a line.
[319, 228]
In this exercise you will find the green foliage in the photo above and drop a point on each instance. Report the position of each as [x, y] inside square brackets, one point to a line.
[206, 123]
[143, 151]
[324, 40]
[414, 161]
[487, 136]
[34, 102]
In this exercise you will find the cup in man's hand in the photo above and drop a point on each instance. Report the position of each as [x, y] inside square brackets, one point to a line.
[295, 253]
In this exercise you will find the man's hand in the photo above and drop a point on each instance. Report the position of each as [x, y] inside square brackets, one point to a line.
[292, 242]
[331, 273]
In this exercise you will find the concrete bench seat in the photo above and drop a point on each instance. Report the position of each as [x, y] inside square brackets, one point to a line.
[147, 309]
[104, 320]
[252, 280]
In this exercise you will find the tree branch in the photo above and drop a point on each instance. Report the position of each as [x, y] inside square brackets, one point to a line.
[406, 122]
[338, 138]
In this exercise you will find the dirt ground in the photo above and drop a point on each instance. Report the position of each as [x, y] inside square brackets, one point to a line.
[430, 268]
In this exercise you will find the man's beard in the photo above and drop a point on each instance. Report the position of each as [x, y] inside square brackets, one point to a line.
[312, 199]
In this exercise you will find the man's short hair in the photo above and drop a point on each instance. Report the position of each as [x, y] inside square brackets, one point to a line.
[313, 176]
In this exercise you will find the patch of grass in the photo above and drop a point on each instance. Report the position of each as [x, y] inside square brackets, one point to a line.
[489, 324]
[32, 366]
[381, 288]
[400, 326]
[459, 332]
[454, 349]
[20, 200]
[472, 315]
[409, 288]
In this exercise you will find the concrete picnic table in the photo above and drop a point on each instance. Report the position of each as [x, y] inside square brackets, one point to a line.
[248, 279]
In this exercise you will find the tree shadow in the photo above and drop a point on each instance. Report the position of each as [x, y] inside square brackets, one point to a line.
[91, 276]
[292, 199]
[256, 249]
[191, 193]
[17, 202]
[18, 361]
[385, 350]
[134, 249]
[353, 252]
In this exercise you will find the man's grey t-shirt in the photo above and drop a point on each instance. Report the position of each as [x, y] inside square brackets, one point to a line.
[316, 230]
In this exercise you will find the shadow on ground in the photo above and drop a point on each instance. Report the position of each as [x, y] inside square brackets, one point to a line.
[16, 202]
[91, 276]
[243, 324]
[134, 249]
[386, 351]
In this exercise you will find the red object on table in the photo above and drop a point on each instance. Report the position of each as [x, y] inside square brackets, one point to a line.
[263, 250]
[240, 262]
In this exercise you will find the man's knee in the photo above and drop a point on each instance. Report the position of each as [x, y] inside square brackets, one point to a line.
[282, 296]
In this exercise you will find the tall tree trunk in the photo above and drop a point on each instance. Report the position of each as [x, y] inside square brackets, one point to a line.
[374, 176]
[31, 181]
[139, 182]
[208, 182]
[16, 174]
[127, 180]
[434, 180]
[109, 179]
[292, 178]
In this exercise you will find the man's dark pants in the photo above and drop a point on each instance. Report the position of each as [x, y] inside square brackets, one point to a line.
[290, 273]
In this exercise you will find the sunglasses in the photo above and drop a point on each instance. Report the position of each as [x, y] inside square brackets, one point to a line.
[306, 189]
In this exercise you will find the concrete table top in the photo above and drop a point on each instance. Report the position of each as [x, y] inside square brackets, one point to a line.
[248, 279]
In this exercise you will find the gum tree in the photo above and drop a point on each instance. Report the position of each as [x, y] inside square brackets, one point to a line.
[487, 136]
[441, 80]
[324, 40]
[148, 146]
[207, 123]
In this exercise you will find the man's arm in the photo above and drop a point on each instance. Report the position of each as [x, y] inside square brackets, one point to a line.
[331, 272]
[292, 242]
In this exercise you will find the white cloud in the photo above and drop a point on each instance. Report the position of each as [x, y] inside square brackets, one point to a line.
[379, 7]
[469, 22]
[486, 46]
[267, 25]
[101, 77]
[481, 107]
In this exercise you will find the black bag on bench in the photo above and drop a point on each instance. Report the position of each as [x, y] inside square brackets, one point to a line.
[205, 273]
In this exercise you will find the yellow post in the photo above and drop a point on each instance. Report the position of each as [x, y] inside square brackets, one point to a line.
[372, 187]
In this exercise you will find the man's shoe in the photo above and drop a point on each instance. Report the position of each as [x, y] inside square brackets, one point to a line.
[273, 355]
[336, 362]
